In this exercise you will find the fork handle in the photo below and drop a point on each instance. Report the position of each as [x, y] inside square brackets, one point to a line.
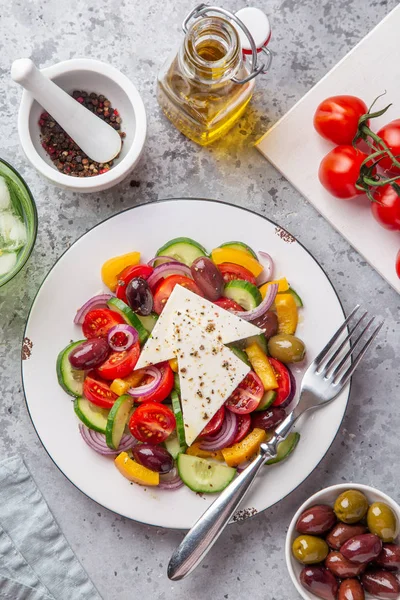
[205, 532]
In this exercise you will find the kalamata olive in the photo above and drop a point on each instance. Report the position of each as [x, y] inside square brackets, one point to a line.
[343, 532]
[362, 549]
[319, 581]
[341, 567]
[89, 354]
[382, 521]
[309, 549]
[155, 458]
[351, 589]
[286, 348]
[208, 277]
[268, 419]
[316, 520]
[268, 322]
[139, 296]
[389, 558]
[351, 506]
[381, 584]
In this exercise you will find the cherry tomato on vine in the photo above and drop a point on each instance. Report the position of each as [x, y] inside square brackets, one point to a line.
[336, 118]
[390, 134]
[386, 208]
[339, 171]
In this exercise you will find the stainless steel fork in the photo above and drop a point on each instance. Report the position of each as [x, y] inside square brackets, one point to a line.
[323, 381]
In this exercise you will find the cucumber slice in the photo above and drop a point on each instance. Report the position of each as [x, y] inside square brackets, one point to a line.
[183, 249]
[297, 299]
[173, 446]
[240, 354]
[117, 420]
[70, 379]
[204, 476]
[267, 400]
[176, 408]
[285, 448]
[130, 317]
[91, 415]
[177, 383]
[261, 340]
[240, 246]
[244, 293]
[148, 322]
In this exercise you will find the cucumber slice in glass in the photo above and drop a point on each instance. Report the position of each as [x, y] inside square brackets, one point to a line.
[117, 419]
[285, 448]
[183, 249]
[240, 246]
[204, 476]
[70, 379]
[244, 293]
[176, 408]
[130, 317]
[91, 415]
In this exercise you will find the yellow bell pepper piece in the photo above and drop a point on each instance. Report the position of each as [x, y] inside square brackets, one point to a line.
[283, 286]
[195, 450]
[261, 365]
[246, 449]
[121, 386]
[238, 257]
[173, 363]
[114, 266]
[135, 472]
[287, 314]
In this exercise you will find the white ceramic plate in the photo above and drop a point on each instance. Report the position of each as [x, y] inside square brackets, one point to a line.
[76, 277]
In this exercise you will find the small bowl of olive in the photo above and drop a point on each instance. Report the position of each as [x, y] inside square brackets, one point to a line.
[343, 544]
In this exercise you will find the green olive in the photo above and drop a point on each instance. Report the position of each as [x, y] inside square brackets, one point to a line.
[351, 506]
[286, 348]
[382, 521]
[309, 549]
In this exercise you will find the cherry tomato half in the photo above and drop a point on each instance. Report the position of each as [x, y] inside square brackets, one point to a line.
[398, 264]
[283, 378]
[215, 424]
[339, 171]
[228, 304]
[336, 118]
[98, 392]
[230, 271]
[247, 395]
[143, 271]
[386, 208]
[244, 423]
[390, 134]
[152, 422]
[164, 291]
[120, 364]
[99, 321]
[163, 389]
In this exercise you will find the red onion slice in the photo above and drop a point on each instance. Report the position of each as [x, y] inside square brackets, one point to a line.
[132, 336]
[169, 268]
[97, 441]
[163, 259]
[148, 388]
[268, 265]
[262, 308]
[225, 437]
[99, 301]
[170, 481]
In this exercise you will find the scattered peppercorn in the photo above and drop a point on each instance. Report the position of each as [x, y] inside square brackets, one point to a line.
[65, 154]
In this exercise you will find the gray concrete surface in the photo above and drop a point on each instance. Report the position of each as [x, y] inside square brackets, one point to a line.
[125, 559]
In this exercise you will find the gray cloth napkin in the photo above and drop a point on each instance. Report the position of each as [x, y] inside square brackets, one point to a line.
[36, 562]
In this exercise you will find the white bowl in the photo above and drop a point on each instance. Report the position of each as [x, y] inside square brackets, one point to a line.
[328, 496]
[91, 76]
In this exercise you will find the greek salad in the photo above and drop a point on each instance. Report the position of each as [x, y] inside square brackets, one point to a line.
[183, 370]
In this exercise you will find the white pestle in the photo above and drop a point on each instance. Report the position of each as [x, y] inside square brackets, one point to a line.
[96, 138]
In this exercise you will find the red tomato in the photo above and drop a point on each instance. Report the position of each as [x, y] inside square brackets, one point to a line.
[98, 392]
[386, 209]
[230, 271]
[152, 422]
[390, 134]
[247, 395]
[336, 118]
[244, 423]
[128, 274]
[120, 364]
[99, 321]
[163, 389]
[229, 304]
[283, 377]
[164, 291]
[398, 264]
[215, 424]
[339, 171]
